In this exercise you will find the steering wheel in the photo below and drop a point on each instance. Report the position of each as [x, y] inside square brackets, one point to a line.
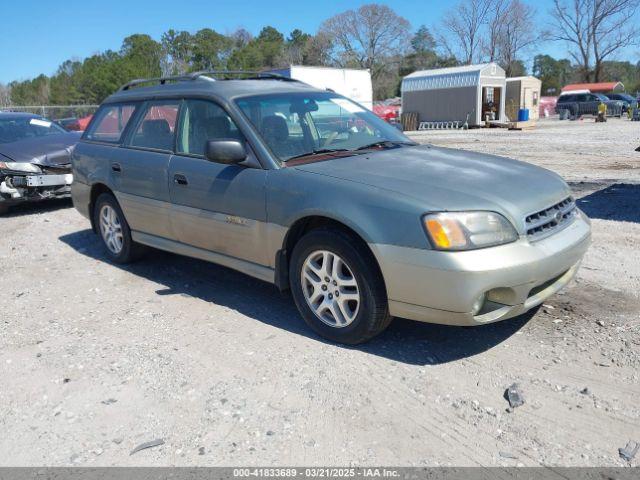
[333, 135]
[329, 140]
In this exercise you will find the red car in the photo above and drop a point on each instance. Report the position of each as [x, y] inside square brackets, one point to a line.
[389, 110]
[84, 122]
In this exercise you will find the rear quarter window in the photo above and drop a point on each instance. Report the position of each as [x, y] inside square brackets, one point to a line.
[110, 122]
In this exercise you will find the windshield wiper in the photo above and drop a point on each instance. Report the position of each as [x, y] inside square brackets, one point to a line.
[318, 152]
[381, 143]
[385, 143]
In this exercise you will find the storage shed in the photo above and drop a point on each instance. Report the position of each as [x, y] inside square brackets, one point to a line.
[450, 94]
[523, 92]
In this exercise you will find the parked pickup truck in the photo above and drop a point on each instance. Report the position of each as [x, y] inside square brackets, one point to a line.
[578, 104]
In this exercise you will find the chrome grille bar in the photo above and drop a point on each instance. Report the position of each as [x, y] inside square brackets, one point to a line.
[551, 219]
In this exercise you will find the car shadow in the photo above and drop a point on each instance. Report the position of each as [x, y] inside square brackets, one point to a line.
[404, 341]
[30, 208]
[619, 202]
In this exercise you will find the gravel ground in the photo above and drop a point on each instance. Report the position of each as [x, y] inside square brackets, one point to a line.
[96, 359]
[578, 150]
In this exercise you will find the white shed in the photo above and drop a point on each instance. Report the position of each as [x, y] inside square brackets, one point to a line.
[523, 92]
[452, 94]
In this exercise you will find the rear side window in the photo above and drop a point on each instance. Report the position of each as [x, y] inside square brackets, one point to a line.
[157, 127]
[110, 122]
[202, 121]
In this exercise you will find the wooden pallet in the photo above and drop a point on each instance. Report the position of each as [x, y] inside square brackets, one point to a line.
[529, 124]
[496, 124]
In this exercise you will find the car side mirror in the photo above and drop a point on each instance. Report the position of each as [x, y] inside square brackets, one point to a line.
[225, 150]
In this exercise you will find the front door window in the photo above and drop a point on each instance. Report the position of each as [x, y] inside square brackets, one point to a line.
[203, 121]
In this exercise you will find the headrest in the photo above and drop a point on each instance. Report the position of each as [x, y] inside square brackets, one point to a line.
[274, 128]
[218, 127]
[155, 127]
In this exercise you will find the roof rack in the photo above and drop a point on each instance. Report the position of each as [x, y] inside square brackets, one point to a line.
[160, 80]
[250, 75]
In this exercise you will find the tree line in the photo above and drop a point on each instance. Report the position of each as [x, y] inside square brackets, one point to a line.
[373, 37]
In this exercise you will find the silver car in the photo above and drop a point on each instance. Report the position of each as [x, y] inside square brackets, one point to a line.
[35, 159]
[310, 191]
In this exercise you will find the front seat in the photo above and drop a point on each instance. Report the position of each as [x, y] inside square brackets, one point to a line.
[276, 133]
[218, 127]
[210, 128]
[157, 134]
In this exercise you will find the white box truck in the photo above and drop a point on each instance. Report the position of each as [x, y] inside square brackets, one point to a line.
[353, 84]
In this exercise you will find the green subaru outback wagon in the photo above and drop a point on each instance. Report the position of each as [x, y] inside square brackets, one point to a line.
[312, 192]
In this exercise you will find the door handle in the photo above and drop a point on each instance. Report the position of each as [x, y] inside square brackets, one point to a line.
[180, 179]
[116, 167]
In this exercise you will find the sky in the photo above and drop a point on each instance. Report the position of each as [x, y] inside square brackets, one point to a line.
[38, 35]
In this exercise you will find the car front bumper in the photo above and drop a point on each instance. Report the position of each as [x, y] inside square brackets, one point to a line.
[442, 287]
[18, 188]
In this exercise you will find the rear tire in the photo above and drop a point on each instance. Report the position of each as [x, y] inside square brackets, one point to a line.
[573, 113]
[337, 287]
[4, 209]
[114, 231]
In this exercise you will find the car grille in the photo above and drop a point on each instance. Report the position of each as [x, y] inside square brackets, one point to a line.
[547, 221]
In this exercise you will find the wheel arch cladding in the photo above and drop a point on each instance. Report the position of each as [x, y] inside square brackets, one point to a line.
[97, 189]
[302, 226]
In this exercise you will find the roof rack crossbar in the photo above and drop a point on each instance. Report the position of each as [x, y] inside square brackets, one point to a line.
[160, 80]
[251, 75]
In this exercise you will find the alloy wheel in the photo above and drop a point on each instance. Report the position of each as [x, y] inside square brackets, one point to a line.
[330, 288]
[111, 229]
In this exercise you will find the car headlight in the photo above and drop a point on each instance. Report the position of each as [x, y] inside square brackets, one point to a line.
[20, 167]
[468, 230]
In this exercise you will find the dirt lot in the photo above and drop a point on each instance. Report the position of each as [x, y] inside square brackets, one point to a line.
[580, 151]
[96, 359]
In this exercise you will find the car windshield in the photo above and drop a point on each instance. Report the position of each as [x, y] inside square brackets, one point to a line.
[13, 129]
[296, 125]
[601, 97]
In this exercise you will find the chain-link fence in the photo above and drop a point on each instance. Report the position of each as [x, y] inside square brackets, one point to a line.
[55, 112]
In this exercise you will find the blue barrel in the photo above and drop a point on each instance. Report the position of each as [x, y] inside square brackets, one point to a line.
[523, 115]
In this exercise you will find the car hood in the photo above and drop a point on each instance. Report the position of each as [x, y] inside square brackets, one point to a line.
[46, 151]
[445, 179]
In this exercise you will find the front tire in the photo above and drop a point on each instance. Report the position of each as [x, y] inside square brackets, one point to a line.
[114, 230]
[338, 288]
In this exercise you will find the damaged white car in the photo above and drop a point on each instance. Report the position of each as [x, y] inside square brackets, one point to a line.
[35, 159]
